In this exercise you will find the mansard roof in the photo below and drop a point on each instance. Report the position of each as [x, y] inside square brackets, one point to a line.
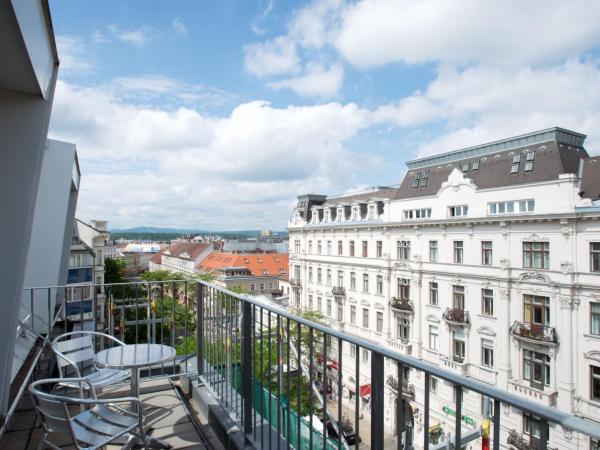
[590, 179]
[551, 158]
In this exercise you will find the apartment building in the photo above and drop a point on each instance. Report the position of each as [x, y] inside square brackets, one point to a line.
[181, 257]
[485, 261]
[256, 273]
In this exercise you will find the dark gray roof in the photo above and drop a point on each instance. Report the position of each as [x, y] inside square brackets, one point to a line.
[551, 159]
[590, 179]
[363, 196]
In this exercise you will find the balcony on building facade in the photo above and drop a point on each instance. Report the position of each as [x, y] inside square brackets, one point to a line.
[545, 397]
[455, 364]
[402, 345]
[534, 332]
[408, 389]
[456, 316]
[402, 305]
[520, 442]
[79, 275]
[338, 291]
[295, 282]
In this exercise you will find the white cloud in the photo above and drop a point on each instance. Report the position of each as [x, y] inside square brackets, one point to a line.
[376, 32]
[482, 103]
[275, 57]
[316, 24]
[318, 82]
[151, 87]
[256, 24]
[99, 38]
[179, 26]
[145, 165]
[136, 37]
[73, 55]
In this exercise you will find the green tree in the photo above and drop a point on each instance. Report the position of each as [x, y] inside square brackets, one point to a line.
[162, 275]
[114, 270]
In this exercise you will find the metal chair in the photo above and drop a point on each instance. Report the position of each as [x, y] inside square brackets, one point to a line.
[103, 422]
[75, 357]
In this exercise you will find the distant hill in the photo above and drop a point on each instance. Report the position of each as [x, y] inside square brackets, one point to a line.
[144, 232]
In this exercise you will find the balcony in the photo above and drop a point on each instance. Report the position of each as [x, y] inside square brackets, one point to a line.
[401, 345]
[520, 442]
[456, 365]
[338, 291]
[408, 389]
[402, 305]
[79, 275]
[456, 316]
[534, 333]
[547, 398]
[256, 366]
[295, 282]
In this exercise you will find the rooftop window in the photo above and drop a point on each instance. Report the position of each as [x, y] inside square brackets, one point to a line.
[420, 179]
[475, 165]
[529, 162]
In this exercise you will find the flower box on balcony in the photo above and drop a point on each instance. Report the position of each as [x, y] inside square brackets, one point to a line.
[456, 316]
[401, 305]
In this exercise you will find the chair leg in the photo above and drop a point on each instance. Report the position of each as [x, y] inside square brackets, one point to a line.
[144, 441]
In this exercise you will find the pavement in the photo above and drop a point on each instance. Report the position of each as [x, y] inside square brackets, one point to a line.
[165, 412]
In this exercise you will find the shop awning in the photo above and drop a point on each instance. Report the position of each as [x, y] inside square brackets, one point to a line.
[365, 390]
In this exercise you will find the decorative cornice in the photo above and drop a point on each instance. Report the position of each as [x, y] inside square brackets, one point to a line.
[486, 330]
[535, 277]
[593, 354]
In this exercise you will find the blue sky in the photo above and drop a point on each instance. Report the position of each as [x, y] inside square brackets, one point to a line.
[215, 115]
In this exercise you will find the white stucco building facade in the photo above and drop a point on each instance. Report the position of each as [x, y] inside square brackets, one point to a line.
[484, 261]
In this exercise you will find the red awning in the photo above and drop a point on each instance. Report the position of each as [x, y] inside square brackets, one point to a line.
[365, 390]
[332, 365]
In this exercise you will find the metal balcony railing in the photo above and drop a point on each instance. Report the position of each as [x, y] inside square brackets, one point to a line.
[534, 331]
[261, 363]
[401, 304]
[457, 316]
[295, 282]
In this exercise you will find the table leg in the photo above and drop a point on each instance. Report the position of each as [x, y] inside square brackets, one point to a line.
[152, 442]
[135, 387]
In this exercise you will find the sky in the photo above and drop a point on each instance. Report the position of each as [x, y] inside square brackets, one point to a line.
[216, 115]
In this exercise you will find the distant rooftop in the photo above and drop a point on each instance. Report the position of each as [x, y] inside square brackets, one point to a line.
[550, 134]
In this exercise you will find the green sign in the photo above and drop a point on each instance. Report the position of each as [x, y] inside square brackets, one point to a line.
[451, 412]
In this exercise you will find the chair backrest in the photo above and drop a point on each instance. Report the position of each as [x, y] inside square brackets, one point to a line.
[78, 350]
[53, 411]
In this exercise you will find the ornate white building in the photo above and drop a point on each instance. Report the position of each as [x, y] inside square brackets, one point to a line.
[485, 261]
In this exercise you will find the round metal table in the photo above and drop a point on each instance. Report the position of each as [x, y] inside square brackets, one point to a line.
[136, 357]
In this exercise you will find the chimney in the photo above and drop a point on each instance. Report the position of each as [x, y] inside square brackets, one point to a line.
[100, 225]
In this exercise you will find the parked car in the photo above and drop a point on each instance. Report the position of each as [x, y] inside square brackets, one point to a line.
[347, 432]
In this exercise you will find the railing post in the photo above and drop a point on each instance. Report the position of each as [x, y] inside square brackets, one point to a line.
[200, 328]
[247, 366]
[377, 388]
[544, 434]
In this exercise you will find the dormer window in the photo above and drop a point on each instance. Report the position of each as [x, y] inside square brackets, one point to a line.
[529, 161]
[371, 212]
[516, 158]
[421, 179]
[464, 167]
[475, 165]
